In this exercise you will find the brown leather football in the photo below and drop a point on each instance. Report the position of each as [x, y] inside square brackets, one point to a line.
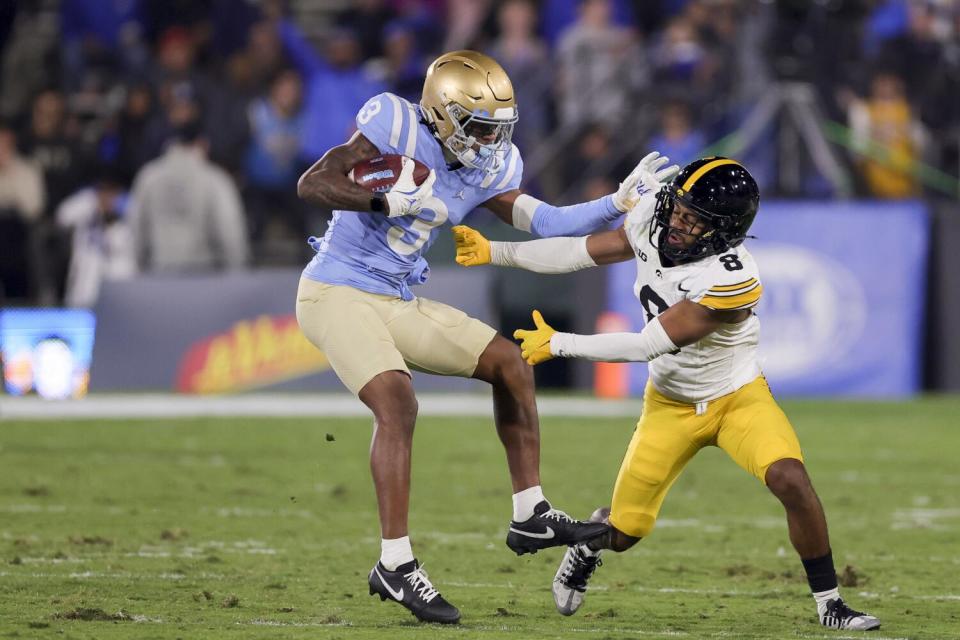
[380, 173]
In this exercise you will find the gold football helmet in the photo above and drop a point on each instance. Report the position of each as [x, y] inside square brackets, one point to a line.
[469, 103]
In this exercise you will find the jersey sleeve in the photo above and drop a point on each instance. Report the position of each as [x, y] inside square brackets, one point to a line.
[509, 177]
[390, 123]
[730, 283]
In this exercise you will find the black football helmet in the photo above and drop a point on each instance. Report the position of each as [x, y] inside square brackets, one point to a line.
[722, 193]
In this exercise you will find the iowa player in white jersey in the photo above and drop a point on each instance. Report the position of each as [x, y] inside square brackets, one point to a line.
[698, 284]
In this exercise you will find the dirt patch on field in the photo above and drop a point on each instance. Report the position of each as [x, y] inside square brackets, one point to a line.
[91, 540]
[608, 613]
[739, 570]
[176, 533]
[850, 577]
[93, 615]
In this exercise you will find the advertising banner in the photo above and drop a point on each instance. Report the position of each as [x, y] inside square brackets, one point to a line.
[225, 333]
[843, 301]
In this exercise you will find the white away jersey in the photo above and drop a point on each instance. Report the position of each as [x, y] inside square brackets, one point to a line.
[725, 360]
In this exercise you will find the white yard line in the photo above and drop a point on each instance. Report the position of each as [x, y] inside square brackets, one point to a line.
[132, 406]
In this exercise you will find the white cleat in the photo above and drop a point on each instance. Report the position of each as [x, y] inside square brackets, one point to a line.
[570, 583]
[835, 614]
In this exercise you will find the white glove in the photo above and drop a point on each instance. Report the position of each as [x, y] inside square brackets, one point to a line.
[406, 198]
[647, 176]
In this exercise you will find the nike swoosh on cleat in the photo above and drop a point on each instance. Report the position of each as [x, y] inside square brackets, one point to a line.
[546, 535]
[398, 595]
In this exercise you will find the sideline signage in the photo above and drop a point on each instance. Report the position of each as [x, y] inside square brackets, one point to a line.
[231, 332]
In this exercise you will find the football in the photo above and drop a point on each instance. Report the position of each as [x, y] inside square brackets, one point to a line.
[379, 174]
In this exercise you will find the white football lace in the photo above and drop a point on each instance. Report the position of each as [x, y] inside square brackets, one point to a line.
[557, 515]
[421, 584]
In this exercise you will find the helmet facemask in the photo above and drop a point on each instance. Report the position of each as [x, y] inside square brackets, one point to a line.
[470, 129]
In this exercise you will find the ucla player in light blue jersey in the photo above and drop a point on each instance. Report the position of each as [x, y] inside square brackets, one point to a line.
[355, 301]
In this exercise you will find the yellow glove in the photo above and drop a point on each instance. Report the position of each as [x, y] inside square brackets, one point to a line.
[472, 248]
[535, 345]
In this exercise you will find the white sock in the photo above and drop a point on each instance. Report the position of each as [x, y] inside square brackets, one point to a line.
[823, 597]
[524, 502]
[396, 552]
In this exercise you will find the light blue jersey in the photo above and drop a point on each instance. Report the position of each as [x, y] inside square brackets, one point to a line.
[374, 253]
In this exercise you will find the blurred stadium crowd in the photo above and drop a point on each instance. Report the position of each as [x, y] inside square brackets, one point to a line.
[168, 135]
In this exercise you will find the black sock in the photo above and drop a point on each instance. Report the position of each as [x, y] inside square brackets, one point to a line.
[821, 573]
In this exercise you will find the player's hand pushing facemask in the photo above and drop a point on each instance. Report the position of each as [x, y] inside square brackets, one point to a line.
[535, 344]
[648, 176]
[406, 198]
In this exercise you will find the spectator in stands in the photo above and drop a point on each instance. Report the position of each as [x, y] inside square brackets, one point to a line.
[27, 56]
[426, 18]
[21, 183]
[559, 15]
[336, 87]
[224, 124]
[21, 205]
[595, 158]
[886, 133]
[262, 58]
[178, 105]
[917, 55]
[185, 212]
[272, 163]
[130, 148]
[101, 34]
[676, 136]
[368, 19]
[464, 23]
[526, 59]
[601, 68]
[678, 54]
[402, 68]
[103, 247]
[53, 148]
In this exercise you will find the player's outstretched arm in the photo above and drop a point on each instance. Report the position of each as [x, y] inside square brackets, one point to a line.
[545, 220]
[682, 324]
[550, 255]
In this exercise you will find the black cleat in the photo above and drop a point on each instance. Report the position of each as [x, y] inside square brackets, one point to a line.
[837, 615]
[410, 586]
[548, 527]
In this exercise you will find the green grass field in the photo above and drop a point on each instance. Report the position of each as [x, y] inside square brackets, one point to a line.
[243, 528]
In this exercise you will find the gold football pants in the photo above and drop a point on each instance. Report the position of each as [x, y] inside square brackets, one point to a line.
[747, 424]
